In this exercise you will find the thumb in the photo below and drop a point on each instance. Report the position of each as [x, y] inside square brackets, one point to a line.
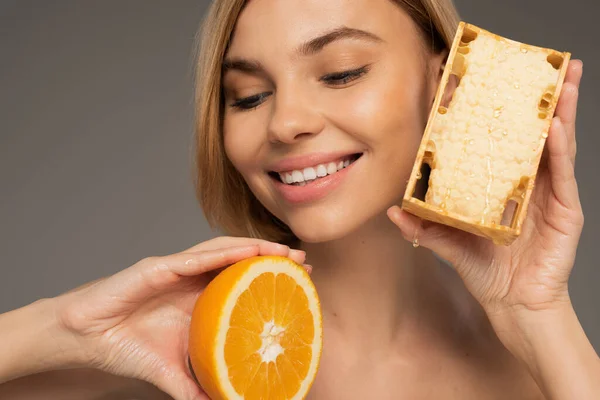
[449, 243]
[179, 384]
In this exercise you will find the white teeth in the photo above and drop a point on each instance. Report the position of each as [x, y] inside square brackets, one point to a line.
[310, 174]
[331, 168]
[286, 177]
[302, 177]
[297, 176]
[321, 171]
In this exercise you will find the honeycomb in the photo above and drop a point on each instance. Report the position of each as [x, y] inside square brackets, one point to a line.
[483, 141]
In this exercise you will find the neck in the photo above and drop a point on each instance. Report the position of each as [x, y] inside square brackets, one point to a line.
[374, 278]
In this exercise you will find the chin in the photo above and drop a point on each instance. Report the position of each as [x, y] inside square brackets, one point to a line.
[326, 224]
[354, 197]
[321, 230]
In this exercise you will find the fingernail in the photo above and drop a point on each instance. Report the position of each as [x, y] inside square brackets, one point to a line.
[557, 120]
[392, 213]
[294, 252]
[308, 268]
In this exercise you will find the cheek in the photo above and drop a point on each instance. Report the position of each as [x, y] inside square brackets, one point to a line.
[386, 111]
[242, 143]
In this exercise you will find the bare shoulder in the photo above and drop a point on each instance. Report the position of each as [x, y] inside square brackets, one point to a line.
[79, 384]
[490, 372]
[472, 366]
[426, 380]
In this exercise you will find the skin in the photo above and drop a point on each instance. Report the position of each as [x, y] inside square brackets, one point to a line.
[440, 333]
[124, 336]
[304, 114]
[398, 322]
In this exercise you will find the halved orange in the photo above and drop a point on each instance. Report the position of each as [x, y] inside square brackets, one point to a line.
[256, 332]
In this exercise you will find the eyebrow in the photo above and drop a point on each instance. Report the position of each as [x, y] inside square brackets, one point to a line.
[243, 65]
[317, 44]
[311, 47]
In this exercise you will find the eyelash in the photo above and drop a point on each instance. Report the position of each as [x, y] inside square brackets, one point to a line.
[333, 79]
[250, 102]
[344, 77]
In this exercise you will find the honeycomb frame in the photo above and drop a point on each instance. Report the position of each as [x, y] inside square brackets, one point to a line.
[498, 233]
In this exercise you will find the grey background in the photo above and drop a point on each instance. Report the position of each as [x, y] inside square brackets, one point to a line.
[96, 125]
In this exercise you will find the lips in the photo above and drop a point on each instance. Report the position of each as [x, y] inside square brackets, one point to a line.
[310, 178]
[309, 160]
[306, 175]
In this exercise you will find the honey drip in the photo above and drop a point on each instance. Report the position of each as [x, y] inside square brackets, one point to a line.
[415, 241]
[488, 189]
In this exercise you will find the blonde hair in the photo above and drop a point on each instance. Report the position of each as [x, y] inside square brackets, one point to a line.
[223, 194]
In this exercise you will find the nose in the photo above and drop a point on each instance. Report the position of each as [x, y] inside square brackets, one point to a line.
[293, 117]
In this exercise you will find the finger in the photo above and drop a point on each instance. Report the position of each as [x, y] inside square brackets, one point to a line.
[447, 242]
[267, 247]
[299, 256]
[154, 274]
[574, 72]
[205, 261]
[566, 110]
[179, 384]
[226, 241]
[466, 252]
[562, 171]
[201, 262]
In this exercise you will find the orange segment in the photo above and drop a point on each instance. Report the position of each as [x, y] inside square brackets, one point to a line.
[240, 345]
[291, 340]
[302, 326]
[298, 303]
[245, 314]
[256, 332]
[284, 290]
[259, 387]
[276, 389]
[300, 358]
[288, 375]
[263, 291]
[242, 374]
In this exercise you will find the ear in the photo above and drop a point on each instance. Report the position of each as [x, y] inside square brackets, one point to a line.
[436, 71]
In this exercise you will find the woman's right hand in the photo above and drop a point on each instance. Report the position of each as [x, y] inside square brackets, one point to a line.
[136, 322]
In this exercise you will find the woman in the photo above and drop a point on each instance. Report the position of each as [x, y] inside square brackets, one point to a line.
[284, 85]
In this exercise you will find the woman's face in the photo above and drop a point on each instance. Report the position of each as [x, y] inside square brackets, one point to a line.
[332, 96]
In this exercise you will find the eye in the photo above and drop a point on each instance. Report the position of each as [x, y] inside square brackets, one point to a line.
[344, 77]
[250, 102]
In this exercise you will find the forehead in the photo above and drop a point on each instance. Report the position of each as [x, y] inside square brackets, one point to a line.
[278, 24]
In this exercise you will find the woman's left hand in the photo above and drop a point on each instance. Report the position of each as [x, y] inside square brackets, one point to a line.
[531, 274]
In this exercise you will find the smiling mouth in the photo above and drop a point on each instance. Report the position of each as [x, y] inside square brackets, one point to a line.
[302, 177]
